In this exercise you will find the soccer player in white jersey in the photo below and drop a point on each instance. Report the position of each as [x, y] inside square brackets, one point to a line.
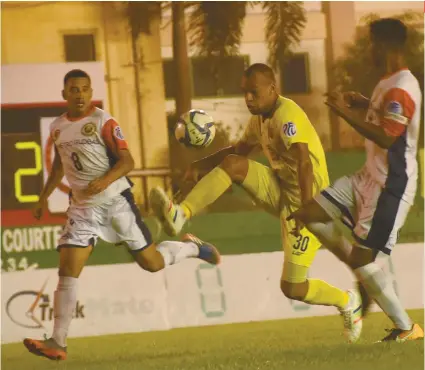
[377, 198]
[90, 150]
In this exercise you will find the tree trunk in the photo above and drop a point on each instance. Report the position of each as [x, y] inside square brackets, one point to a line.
[183, 92]
[151, 99]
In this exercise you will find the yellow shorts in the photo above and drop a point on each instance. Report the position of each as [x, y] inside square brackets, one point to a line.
[264, 187]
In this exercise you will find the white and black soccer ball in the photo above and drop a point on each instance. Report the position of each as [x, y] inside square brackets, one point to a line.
[195, 129]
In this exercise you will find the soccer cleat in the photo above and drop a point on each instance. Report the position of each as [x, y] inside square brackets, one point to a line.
[46, 348]
[352, 316]
[207, 251]
[169, 214]
[366, 299]
[401, 336]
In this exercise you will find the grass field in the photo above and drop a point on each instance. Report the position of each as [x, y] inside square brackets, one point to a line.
[300, 344]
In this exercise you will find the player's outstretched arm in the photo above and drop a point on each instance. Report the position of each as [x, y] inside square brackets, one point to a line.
[356, 100]
[55, 177]
[356, 119]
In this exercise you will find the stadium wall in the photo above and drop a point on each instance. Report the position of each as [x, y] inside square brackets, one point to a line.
[124, 299]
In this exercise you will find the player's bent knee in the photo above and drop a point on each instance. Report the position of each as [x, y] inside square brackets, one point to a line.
[150, 266]
[149, 259]
[153, 267]
[361, 256]
[235, 166]
[295, 291]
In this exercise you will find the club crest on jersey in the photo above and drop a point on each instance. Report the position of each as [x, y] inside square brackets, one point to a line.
[118, 133]
[289, 129]
[55, 135]
[395, 107]
[88, 129]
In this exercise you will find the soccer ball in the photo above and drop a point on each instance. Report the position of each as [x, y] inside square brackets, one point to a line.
[195, 129]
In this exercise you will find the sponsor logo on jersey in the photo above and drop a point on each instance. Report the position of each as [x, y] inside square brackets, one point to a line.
[289, 129]
[395, 107]
[56, 134]
[394, 112]
[88, 129]
[94, 141]
[118, 133]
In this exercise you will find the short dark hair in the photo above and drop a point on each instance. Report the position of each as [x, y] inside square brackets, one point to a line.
[390, 31]
[262, 68]
[75, 73]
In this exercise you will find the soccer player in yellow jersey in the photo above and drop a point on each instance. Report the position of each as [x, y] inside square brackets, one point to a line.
[296, 174]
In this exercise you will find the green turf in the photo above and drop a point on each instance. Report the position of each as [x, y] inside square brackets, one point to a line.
[300, 344]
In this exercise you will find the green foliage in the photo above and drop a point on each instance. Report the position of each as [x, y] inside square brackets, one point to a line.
[139, 14]
[215, 28]
[285, 22]
[355, 70]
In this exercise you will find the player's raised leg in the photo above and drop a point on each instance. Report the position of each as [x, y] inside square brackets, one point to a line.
[233, 169]
[72, 261]
[132, 230]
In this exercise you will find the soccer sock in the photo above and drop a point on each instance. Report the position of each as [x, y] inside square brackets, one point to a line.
[206, 191]
[380, 288]
[174, 252]
[65, 300]
[321, 293]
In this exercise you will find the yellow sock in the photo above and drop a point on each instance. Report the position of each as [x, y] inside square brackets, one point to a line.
[322, 293]
[206, 191]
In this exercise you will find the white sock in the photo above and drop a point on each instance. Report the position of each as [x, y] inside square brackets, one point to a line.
[174, 252]
[65, 300]
[380, 287]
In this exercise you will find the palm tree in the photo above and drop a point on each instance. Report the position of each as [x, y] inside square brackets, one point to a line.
[139, 14]
[215, 31]
[216, 28]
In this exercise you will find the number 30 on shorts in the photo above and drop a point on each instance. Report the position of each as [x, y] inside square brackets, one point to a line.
[302, 243]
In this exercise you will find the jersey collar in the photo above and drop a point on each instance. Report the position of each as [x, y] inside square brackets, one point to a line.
[74, 119]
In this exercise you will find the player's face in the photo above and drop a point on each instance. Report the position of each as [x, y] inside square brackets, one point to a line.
[260, 93]
[78, 94]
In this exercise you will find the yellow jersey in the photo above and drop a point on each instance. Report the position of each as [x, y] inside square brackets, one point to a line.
[288, 125]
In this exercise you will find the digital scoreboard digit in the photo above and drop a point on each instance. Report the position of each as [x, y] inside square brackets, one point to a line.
[21, 170]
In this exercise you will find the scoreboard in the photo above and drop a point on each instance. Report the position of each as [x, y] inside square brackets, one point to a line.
[22, 155]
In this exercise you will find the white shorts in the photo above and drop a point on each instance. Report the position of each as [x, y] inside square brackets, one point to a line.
[117, 221]
[373, 213]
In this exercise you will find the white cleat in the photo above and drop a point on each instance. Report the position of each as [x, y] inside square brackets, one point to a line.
[169, 214]
[352, 316]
